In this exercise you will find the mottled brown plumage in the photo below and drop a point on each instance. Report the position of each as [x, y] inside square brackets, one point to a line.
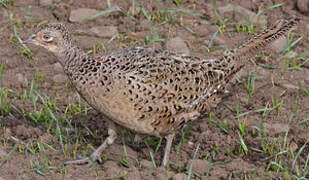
[153, 92]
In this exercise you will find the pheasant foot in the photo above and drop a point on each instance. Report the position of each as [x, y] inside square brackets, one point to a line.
[96, 155]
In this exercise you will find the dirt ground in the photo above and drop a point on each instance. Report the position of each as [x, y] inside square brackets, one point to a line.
[44, 123]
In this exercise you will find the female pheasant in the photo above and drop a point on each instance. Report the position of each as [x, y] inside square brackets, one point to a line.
[149, 91]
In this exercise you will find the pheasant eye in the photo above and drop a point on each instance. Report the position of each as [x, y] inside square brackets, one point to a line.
[47, 38]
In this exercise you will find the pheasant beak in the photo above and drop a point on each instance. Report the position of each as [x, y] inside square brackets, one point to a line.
[30, 39]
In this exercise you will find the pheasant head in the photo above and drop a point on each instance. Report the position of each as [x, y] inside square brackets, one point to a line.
[53, 37]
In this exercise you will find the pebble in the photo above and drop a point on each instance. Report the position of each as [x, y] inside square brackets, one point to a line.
[276, 128]
[294, 147]
[180, 176]
[218, 172]
[86, 43]
[202, 30]
[160, 173]
[178, 45]
[133, 174]
[303, 6]
[78, 15]
[20, 78]
[198, 165]
[238, 165]
[229, 9]
[46, 138]
[59, 78]
[279, 44]
[57, 67]
[7, 133]
[22, 131]
[112, 169]
[219, 41]
[104, 31]
[145, 163]
[45, 2]
[292, 54]
[145, 25]
[289, 86]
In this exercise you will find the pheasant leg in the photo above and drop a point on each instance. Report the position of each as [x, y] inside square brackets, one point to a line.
[96, 155]
[169, 140]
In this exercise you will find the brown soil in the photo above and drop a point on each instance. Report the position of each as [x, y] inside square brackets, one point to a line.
[18, 133]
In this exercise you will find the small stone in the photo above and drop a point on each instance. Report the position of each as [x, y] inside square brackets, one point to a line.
[218, 172]
[112, 169]
[7, 133]
[279, 44]
[58, 67]
[303, 6]
[21, 130]
[180, 176]
[78, 15]
[45, 2]
[86, 43]
[134, 174]
[276, 128]
[104, 31]
[219, 41]
[294, 147]
[160, 173]
[198, 165]
[238, 165]
[35, 132]
[190, 143]
[59, 78]
[289, 85]
[292, 54]
[229, 11]
[46, 138]
[178, 45]
[20, 78]
[145, 25]
[145, 163]
[204, 28]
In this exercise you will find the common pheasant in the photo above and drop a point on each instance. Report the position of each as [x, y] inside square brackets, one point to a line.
[150, 91]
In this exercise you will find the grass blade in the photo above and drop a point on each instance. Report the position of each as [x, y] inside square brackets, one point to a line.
[298, 153]
[101, 13]
[303, 121]
[217, 14]
[191, 166]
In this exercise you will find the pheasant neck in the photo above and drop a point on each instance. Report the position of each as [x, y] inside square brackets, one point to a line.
[69, 57]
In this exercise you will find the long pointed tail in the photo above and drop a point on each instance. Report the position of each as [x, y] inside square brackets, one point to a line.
[260, 41]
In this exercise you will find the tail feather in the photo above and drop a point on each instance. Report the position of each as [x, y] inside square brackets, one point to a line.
[260, 41]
